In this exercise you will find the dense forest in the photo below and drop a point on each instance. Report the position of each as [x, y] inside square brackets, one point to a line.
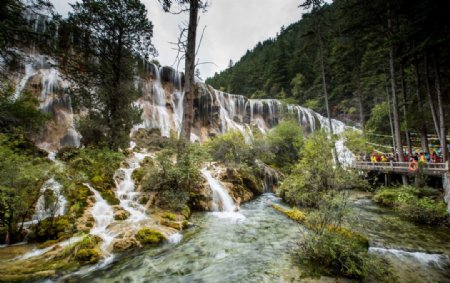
[356, 41]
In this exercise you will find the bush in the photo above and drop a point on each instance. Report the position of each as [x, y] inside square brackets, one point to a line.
[285, 142]
[316, 174]
[173, 178]
[147, 236]
[420, 205]
[229, 148]
[53, 228]
[337, 254]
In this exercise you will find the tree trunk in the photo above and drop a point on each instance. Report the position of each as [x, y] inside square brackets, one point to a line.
[324, 86]
[423, 128]
[189, 69]
[430, 98]
[398, 140]
[405, 109]
[437, 83]
[390, 118]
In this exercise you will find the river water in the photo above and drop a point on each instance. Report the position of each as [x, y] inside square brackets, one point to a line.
[258, 244]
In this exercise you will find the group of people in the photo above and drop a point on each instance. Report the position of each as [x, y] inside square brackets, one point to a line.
[423, 157]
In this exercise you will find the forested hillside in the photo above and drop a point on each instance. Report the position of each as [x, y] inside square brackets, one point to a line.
[354, 39]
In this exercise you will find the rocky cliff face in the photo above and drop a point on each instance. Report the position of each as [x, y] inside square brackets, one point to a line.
[161, 100]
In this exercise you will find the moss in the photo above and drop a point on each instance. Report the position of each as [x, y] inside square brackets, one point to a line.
[364, 241]
[138, 174]
[98, 180]
[47, 244]
[168, 215]
[148, 236]
[87, 255]
[110, 197]
[294, 214]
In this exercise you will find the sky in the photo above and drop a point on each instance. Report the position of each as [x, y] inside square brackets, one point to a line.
[232, 27]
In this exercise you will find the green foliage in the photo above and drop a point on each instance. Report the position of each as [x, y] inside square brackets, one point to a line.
[21, 114]
[111, 35]
[53, 228]
[356, 142]
[229, 148]
[316, 174]
[284, 142]
[328, 248]
[90, 165]
[174, 176]
[148, 236]
[421, 205]
[21, 177]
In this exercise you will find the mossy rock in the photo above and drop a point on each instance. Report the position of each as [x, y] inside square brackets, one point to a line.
[121, 215]
[110, 197]
[148, 236]
[168, 215]
[138, 175]
[87, 255]
[172, 224]
[122, 245]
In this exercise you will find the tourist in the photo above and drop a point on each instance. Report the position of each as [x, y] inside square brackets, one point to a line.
[422, 158]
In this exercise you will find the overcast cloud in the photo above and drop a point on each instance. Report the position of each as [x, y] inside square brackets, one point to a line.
[232, 27]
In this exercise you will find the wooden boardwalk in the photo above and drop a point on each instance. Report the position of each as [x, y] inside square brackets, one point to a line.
[433, 169]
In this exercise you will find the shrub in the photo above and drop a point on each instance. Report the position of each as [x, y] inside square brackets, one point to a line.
[421, 205]
[229, 148]
[173, 178]
[148, 236]
[285, 142]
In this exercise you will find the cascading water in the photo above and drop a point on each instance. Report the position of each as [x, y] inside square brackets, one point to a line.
[223, 205]
[57, 205]
[104, 216]
[126, 191]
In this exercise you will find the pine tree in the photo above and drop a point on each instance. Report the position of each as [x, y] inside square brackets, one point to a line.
[109, 34]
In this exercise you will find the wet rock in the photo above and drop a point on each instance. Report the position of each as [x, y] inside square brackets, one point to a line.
[121, 214]
[121, 245]
[178, 225]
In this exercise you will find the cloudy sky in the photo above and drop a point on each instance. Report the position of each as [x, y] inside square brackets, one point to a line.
[232, 27]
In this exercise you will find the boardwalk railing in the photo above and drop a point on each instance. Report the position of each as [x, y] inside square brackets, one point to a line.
[401, 167]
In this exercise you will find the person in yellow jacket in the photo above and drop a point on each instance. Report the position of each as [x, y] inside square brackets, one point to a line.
[422, 158]
[384, 158]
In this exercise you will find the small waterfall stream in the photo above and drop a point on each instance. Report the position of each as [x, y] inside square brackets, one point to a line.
[104, 216]
[126, 191]
[57, 207]
[221, 199]
[223, 205]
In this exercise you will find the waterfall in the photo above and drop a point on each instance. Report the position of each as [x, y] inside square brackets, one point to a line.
[222, 201]
[104, 216]
[44, 210]
[126, 191]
